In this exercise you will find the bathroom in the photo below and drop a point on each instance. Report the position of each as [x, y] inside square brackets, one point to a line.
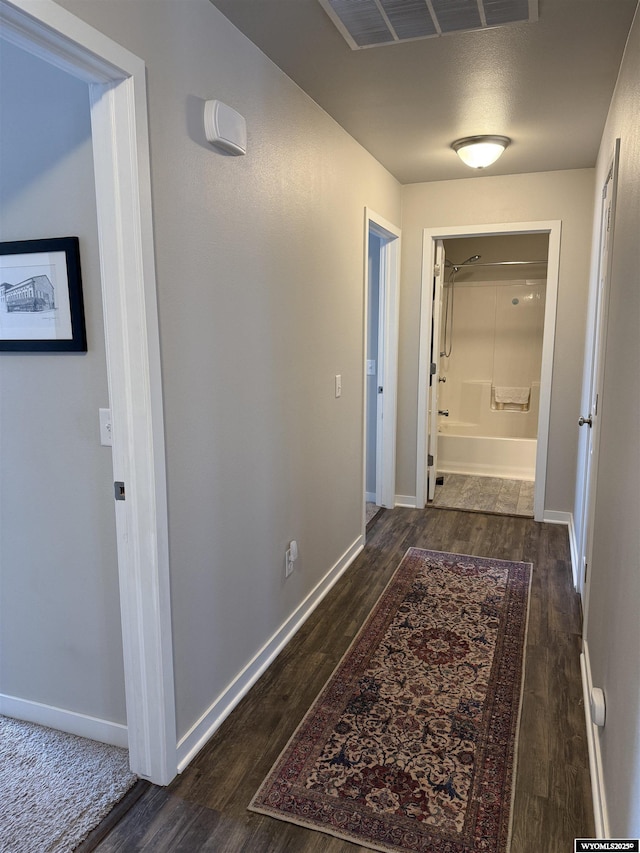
[491, 344]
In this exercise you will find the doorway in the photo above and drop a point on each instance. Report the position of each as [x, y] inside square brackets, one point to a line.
[61, 631]
[117, 87]
[382, 276]
[490, 354]
[488, 319]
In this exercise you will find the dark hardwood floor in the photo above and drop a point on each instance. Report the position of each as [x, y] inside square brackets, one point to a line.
[205, 809]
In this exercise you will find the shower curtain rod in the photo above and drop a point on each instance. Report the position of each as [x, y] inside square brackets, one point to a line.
[502, 264]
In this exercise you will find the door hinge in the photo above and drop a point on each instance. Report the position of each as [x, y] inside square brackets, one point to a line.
[586, 566]
[429, 460]
[118, 489]
[595, 408]
[434, 368]
[380, 389]
[436, 269]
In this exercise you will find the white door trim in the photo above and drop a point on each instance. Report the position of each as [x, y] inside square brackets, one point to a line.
[434, 378]
[430, 236]
[117, 86]
[388, 345]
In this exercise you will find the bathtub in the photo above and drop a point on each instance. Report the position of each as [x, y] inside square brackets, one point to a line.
[511, 458]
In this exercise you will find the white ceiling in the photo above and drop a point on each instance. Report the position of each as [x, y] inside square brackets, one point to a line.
[546, 84]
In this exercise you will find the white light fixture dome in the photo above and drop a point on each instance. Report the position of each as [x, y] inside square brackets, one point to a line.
[480, 151]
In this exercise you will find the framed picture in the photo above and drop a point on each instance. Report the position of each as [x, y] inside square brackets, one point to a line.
[41, 307]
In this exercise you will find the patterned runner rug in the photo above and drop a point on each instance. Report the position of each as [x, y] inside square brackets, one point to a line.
[411, 744]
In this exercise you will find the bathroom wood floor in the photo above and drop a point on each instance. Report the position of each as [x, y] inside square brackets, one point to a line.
[485, 494]
[205, 809]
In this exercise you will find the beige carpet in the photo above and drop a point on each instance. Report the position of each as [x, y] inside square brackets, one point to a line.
[55, 787]
[371, 511]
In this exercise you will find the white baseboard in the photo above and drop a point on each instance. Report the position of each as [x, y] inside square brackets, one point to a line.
[408, 501]
[65, 721]
[193, 741]
[554, 517]
[575, 560]
[551, 516]
[600, 813]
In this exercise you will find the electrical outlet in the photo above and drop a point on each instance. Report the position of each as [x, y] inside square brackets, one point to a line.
[290, 557]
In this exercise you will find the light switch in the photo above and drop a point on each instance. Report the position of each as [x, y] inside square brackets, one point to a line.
[371, 367]
[338, 385]
[105, 427]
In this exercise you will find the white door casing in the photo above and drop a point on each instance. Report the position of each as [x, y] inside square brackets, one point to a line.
[117, 86]
[387, 368]
[381, 486]
[434, 371]
[430, 237]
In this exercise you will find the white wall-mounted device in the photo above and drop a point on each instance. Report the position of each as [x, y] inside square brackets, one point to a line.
[105, 427]
[225, 128]
[598, 707]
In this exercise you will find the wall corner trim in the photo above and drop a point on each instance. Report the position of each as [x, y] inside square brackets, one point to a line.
[600, 813]
[81, 725]
[192, 742]
[575, 559]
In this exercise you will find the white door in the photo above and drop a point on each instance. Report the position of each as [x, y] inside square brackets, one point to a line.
[434, 373]
[590, 420]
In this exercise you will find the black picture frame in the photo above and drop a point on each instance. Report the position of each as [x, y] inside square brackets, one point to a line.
[41, 304]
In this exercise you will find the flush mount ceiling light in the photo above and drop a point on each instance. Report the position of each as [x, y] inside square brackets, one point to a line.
[480, 151]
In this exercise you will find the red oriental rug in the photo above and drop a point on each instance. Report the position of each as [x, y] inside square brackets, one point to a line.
[411, 744]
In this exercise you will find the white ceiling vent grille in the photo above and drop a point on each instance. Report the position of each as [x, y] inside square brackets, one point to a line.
[369, 23]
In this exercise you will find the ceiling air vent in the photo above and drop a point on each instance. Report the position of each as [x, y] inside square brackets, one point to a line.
[370, 23]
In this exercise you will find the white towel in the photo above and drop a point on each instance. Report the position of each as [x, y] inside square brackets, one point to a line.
[511, 394]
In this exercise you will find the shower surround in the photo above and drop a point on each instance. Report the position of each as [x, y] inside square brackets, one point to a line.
[492, 387]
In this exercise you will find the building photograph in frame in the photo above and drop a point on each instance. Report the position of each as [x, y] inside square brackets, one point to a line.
[41, 307]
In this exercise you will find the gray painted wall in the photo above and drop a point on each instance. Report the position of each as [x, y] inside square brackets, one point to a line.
[613, 626]
[261, 302]
[513, 198]
[60, 610]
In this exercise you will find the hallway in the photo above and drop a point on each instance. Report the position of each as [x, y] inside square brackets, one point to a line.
[205, 808]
